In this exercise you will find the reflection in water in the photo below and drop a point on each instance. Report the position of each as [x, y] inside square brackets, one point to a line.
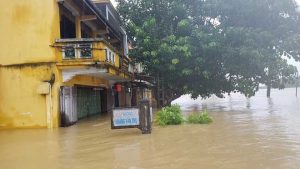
[248, 103]
[270, 102]
[246, 133]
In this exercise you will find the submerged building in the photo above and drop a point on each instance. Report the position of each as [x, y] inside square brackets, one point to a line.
[61, 61]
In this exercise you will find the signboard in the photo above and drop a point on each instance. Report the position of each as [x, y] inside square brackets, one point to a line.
[125, 118]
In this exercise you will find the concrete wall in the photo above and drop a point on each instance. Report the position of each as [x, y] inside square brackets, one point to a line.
[21, 106]
[27, 29]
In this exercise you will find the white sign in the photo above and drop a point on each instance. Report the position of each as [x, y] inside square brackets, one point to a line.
[126, 117]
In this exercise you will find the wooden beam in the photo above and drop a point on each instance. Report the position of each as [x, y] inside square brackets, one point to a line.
[101, 1]
[72, 7]
[91, 25]
[78, 27]
[88, 17]
[101, 31]
[113, 40]
[68, 15]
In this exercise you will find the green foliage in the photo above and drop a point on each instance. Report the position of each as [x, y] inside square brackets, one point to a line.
[170, 115]
[200, 118]
[214, 46]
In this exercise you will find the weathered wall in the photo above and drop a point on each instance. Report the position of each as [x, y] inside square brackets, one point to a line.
[87, 81]
[21, 106]
[27, 29]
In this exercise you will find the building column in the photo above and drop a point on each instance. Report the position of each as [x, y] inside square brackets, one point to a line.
[78, 27]
[94, 34]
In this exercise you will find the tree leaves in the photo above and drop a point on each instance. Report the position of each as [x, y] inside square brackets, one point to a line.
[213, 46]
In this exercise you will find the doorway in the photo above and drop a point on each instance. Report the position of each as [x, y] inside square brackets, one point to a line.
[80, 102]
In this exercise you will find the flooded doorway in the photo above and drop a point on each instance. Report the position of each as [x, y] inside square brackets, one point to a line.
[80, 102]
[88, 101]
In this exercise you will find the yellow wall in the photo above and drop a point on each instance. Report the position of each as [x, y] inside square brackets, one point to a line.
[99, 55]
[27, 29]
[21, 106]
[87, 81]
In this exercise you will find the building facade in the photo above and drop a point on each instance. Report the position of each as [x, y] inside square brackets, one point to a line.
[61, 61]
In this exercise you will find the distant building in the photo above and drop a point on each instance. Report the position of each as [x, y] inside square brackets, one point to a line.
[61, 59]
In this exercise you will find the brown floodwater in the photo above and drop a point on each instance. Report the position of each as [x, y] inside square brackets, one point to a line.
[251, 133]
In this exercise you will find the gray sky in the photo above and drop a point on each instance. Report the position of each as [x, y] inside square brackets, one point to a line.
[293, 62]
[113, 2]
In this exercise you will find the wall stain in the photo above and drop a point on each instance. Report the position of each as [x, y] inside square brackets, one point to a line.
[21, 14]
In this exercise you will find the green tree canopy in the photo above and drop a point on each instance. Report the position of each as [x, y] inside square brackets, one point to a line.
[204, 47]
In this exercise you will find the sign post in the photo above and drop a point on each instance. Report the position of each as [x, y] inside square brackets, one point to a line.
[145, 117]
[133, 117]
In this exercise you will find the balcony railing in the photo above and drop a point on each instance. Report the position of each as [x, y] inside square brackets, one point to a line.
[77, 51]
[92, 50]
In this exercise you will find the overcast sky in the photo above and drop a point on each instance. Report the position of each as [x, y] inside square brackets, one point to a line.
[113, 2]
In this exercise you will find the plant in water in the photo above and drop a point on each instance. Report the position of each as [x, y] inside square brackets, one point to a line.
[170, 115]
[200, 118]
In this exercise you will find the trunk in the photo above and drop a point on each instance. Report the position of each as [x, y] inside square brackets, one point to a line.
[167, 103]
[169, 98]
[269, 91]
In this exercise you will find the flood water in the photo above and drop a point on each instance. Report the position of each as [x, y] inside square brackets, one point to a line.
[246, 134]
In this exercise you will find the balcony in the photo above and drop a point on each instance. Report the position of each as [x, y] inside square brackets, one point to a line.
[93, 52]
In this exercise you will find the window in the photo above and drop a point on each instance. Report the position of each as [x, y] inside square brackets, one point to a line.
[110, 56]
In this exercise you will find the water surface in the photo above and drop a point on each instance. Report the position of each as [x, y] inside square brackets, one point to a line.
[246, 134]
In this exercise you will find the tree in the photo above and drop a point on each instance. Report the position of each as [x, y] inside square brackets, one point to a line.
[277, 74]
[274, 29]
[209, 47]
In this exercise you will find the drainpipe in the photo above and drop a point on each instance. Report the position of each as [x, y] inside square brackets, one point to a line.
[45, 89]
[49, 108]
[49, 103]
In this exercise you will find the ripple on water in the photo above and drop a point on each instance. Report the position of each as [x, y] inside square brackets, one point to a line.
[246, 133]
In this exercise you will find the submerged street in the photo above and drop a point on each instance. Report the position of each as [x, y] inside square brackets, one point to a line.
[75, 73]
[246, 133]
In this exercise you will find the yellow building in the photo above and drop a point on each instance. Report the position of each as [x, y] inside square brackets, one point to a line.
[60, 61]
